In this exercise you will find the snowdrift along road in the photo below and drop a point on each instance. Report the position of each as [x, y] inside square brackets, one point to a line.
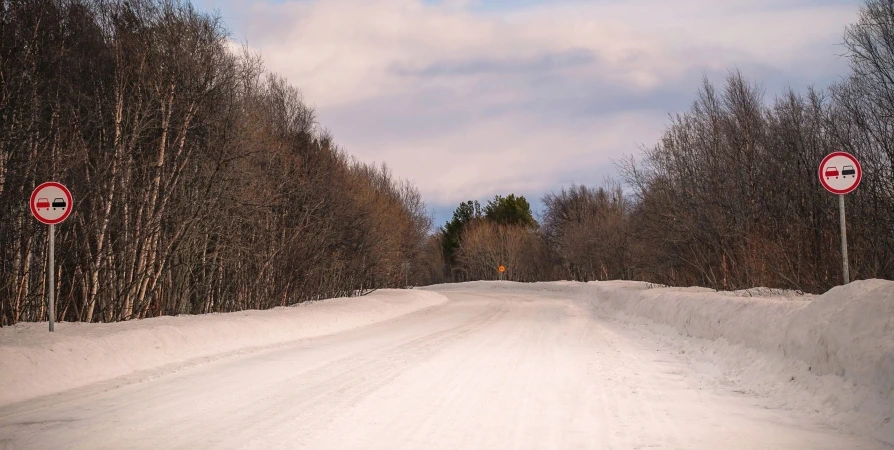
[34, 362]
[848, 331]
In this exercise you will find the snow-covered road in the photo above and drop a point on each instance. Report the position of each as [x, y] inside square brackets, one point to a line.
[485, 370]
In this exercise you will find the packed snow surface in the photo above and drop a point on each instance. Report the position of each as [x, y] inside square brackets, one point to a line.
[830, 356]
[609, 365]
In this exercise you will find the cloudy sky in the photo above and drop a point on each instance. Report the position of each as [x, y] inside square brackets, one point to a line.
[471, 98]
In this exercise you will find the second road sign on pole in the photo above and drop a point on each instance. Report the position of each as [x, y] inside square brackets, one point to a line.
[840, 173]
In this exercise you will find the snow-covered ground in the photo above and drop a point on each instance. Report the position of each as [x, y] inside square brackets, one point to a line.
[475, 365]
[35, 362]
[829, 357]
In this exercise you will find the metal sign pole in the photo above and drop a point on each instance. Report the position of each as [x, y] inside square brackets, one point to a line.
[51, 269]
[844, 267]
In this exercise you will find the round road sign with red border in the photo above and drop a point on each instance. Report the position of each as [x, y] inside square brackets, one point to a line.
[840, 173]
[51, 203]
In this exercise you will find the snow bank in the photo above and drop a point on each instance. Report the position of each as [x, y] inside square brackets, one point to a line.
[843, 341]
[847, 332]
[35, 362]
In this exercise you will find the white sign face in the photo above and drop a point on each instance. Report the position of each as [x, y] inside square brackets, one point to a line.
[51, 203]
[840, 173]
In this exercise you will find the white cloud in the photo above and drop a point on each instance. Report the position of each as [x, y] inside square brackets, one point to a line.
[514, 153]
[470, 102]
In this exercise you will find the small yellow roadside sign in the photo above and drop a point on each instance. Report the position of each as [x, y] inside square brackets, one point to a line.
[502, 268]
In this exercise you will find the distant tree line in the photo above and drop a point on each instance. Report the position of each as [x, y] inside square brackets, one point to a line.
[729, 198]
[478, 240]
[201, 182]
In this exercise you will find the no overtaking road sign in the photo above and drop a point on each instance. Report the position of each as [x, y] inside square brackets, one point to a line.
[840, 173]
[51, 204]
